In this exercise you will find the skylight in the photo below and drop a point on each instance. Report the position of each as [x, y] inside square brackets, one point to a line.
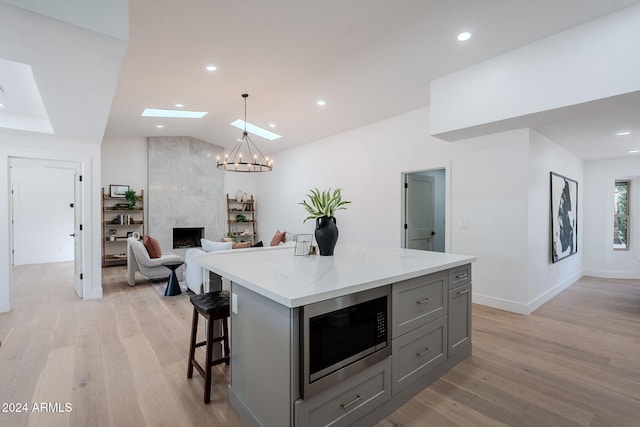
[256, 130]
[22, 105]
[180, 114]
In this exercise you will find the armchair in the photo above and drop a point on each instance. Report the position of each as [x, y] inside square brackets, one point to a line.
[138, 259]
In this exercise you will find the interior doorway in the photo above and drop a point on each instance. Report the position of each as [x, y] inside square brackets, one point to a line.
[45, 213]
[424, 210]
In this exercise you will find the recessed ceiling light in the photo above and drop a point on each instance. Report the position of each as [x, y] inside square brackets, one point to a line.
[211, 68]
[623, 133]
[464, 36]
[1, 105]
[178, 105]
[321, 103]
[634, 151]
[256, 130]
[159, 126]
[272, 125]
[181, 114]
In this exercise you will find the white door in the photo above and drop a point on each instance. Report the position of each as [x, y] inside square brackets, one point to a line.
[77, 234]
[419, 212]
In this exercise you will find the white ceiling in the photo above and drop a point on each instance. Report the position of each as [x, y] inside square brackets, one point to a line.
[369, 59]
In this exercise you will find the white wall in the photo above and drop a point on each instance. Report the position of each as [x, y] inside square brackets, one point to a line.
[489, 215]
[498, 193]
[555, 72]
[600, 259]
[545, 280]
[43, 195]
[488, 193]
[125, 162]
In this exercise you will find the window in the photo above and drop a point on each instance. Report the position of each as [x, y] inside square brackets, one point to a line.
[621, 216]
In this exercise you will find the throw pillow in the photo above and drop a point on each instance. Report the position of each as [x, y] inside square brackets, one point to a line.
[258, 245]
[278, 238]
[211, 246]
[152, 246]
[242, 245]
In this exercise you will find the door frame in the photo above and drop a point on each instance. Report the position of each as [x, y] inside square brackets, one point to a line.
[447, 203]
[83, 163]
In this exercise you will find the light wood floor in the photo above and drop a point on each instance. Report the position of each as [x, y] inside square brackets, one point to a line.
[121, 360]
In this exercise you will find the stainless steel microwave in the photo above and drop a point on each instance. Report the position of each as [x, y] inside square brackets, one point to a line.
[342, 336]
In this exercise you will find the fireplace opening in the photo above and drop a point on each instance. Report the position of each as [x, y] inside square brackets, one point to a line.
[187, 237]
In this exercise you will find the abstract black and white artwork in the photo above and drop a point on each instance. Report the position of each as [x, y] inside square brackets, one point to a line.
[564, 217]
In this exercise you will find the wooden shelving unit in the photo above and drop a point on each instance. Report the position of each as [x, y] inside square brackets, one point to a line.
[114, 244]
[242, 230]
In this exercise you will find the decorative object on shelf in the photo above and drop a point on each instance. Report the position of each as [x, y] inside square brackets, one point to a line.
[118, 190]
[303, 244]
[247, 159]
[241, 219]
[118, 222]
[564, 217]
[321, 207]
[239, 195]
[131, 198]
[245, 197]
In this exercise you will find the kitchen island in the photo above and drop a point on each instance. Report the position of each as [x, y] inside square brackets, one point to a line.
[430, 306]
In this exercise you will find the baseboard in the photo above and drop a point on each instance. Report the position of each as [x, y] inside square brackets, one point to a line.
[603, 274]
[93, 294]
[500, 304]
[534, 304]
[531, 306]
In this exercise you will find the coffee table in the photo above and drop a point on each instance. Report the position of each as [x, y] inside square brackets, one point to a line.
[173, 286]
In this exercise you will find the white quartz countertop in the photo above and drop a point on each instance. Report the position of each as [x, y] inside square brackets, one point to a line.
[294, 281]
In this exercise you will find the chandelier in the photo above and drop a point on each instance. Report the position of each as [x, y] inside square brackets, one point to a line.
[245, 156]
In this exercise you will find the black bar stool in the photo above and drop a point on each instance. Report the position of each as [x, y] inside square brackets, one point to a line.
[212, 306]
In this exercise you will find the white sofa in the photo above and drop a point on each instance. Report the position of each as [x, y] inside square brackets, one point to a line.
[138, 259]
[194, 273]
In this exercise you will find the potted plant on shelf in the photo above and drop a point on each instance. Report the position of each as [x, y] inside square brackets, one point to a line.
[321, 207]
[131, 198]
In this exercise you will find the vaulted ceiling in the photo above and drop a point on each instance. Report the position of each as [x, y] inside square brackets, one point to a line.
[368, 59]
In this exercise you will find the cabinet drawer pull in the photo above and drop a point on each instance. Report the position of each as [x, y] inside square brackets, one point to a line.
[465, 291]
[424, 301]
[346, 405]
[424, 352]
[462, 276]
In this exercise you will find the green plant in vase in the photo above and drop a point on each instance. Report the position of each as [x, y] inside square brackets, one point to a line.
[130, 195]
[321, 206]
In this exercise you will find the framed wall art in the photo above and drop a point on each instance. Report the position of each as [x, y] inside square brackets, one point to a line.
[564, 217]
[118, 190]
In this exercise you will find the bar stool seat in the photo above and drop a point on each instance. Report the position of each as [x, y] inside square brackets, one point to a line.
[212, 306]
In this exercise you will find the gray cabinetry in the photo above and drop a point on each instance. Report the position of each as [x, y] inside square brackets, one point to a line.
[418, 301]
[344, 404]
[459, 309]
[459, 318]
[417, 352]
[459, 276]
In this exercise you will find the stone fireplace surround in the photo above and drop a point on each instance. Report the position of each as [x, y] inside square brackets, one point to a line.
[186, 189]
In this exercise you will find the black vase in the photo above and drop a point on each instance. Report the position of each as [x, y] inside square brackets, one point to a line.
[326, 234]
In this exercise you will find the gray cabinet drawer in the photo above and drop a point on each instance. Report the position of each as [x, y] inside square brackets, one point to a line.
[417, 352]
[418, 301]
[459, 276]
[459, 319]
[344, 404]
